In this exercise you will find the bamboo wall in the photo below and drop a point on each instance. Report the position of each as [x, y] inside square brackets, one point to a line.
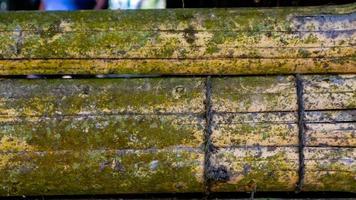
[142, 135]
[285, 123]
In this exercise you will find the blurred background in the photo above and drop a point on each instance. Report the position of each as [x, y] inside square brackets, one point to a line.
[8, 5]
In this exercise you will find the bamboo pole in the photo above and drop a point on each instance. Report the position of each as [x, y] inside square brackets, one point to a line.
[182, 41]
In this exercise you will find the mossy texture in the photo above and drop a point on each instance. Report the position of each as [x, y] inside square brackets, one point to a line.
[254, 94]
[257, 169]
[265, 129]
[254, 140]
[331, 134]
[330, 92]
[101, 136]
[256, 145]
[330, 169]
[334, 116]
[174, 45]
[221, 66]
[306, 18]
[180, 41]
[104, 132]
[337, 95]
[101, 96]
[101, 172]
[149, 135]
[330, 130]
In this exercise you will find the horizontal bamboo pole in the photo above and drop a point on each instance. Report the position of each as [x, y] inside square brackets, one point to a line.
[101, 171]
[101, 96]
[144, 135]
[181, 41]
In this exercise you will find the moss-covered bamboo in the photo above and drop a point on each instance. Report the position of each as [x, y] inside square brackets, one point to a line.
[182, 41]
[58, 97]
[255, 133]
[255, 169]
[144, 135]
[330, 92]
[330, 169]
[101, 136]
[101, 171]
[254, 94]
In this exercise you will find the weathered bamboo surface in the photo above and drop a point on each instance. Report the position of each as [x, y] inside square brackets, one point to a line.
[164, 135]
[331, 167]
[182, 41]
[256, 134]
[101, 136]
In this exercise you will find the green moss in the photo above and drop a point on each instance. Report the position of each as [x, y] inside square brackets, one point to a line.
[219, 66]
[274, 173]
[339, 181]
[104, 96]
[106, 132]
[246, 84]
[227, 19]
[311, 39]
[103, 113]
[102, 172]
[158, 46]
[332, 181]
[304, 53]
[352, 103]
[249, 93]
[212, 49]
[267, 132]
